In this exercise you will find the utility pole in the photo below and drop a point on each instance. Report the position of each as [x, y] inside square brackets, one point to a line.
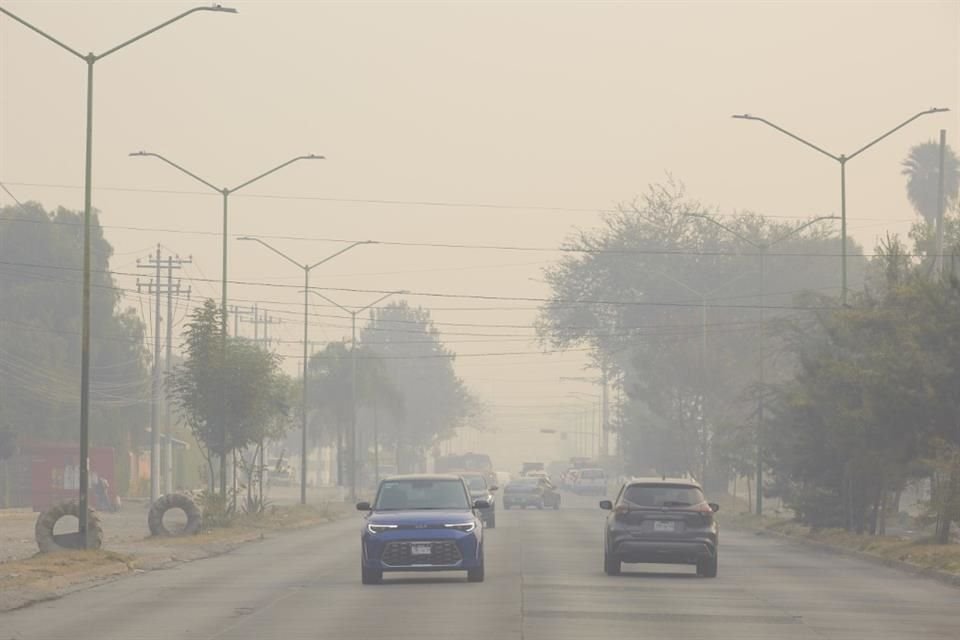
[260, 320]
[605, 411]
[172, 263]
[263, 341]
[156, 287]
[939, 263]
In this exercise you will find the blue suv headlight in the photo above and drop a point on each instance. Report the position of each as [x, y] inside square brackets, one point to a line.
[380, 528]
[466, 527]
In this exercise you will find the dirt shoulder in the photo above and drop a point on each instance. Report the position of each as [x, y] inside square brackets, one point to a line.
[43, 577]
[919, 557]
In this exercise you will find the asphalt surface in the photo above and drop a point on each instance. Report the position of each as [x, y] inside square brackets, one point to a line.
[544, 581]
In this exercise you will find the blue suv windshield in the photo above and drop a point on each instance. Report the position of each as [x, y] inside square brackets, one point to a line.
[397, 495]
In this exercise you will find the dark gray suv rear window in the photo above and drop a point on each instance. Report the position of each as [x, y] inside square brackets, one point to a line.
[662, 495]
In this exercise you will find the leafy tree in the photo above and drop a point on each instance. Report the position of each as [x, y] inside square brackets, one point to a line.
[230, 398]
[434, 399]
[922, 168]
[654, 276]
[331, 374]
[874, 397]
[40, 285]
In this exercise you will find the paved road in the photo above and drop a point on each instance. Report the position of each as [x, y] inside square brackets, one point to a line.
[544, 580]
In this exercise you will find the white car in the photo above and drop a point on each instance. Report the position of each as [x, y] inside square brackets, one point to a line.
[590, 481]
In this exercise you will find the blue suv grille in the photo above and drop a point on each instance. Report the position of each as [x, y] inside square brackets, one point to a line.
[442, 553]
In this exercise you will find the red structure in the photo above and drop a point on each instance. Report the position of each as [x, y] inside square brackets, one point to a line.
[55, 473]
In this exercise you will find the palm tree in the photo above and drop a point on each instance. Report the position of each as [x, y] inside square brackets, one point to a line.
[922, 168]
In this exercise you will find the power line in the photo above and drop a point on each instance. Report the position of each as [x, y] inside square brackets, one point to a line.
[460, 245]
[9, 193]
[433, 294]
[375, 201]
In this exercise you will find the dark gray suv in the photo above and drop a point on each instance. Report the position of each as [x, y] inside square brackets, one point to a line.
[661, 520]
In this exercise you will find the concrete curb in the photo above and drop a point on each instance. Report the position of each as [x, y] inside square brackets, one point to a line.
[945, 577]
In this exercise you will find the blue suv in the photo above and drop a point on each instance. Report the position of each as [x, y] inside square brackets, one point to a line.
[421, 523]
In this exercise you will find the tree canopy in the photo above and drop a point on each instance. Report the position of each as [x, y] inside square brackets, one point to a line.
[230, 398]
[420, 368]
[40, 285]
[667, 295]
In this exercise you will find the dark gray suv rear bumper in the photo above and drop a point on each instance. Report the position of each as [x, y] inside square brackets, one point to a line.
[663, 551]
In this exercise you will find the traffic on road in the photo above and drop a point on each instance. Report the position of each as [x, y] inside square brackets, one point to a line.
[455, 319]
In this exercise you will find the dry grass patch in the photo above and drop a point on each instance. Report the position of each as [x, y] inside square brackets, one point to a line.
[251, 526]
[54, 570]
[922, 553]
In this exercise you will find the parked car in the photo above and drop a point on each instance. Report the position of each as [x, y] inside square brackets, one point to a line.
[590, 482]
[661, 520]
[421, 523]
[531, 492]
[480, 490]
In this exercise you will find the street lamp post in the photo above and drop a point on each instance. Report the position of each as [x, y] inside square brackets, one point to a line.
[353, 378]
[602, 403]
[762, 248]
[842, 159]
[225, 192]
[307, 268]
[593, 435]
[91, 59]
[703, 330]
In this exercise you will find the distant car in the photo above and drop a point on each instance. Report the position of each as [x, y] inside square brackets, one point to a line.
[421, 523]
[480, 490]
[661, 520]
[590, 481]
[530, 492]
[527, 467]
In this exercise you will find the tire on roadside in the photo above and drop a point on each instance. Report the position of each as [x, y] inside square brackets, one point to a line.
[43, 530]
[174, 501]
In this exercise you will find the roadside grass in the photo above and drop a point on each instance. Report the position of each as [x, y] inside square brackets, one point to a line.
[53, 570]
[250, 526]
[46, 574]
[922, 552]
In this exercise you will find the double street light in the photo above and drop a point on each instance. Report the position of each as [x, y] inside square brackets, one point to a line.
[91, 59]
[225, 192]
[307, 268]
[762, 247]
[352, 446]
[842, 159]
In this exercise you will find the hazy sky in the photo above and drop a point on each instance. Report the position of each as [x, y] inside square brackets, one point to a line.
[532, 105]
